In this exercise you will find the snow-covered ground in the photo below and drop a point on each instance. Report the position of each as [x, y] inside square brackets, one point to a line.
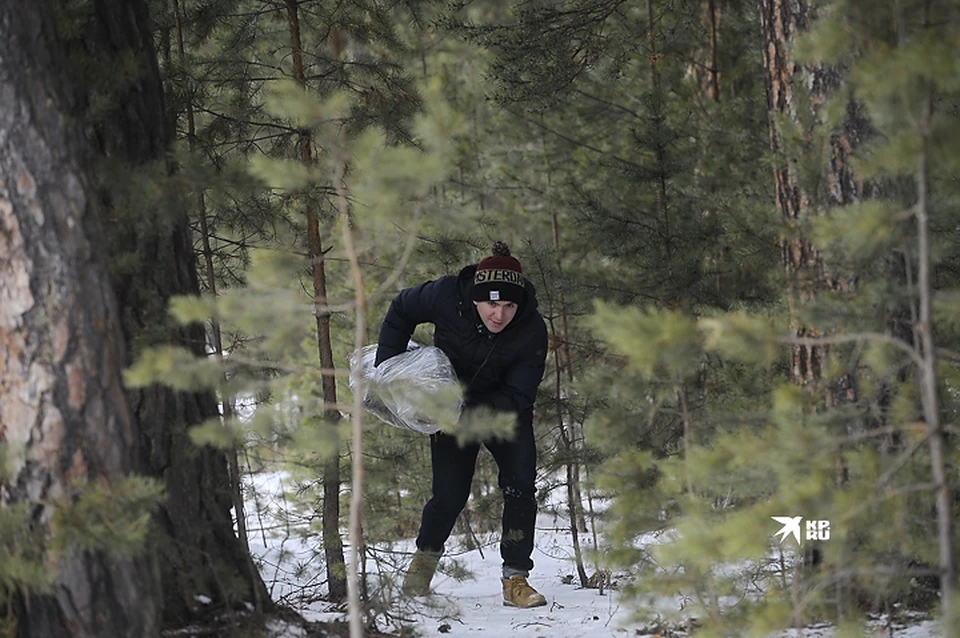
[292, 567]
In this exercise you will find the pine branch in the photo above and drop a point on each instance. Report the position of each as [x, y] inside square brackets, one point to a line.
[236, 120]
[566, 138]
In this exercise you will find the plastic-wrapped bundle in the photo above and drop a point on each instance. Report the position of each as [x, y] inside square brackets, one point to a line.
[416, 390]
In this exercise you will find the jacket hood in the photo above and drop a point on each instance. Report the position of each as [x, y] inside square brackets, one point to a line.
[465, 288]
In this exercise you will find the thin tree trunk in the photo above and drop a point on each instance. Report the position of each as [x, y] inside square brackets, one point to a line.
[687, 434]
[562, 364]
[928, 384]
[573, 503]
[654, 59]
[713, 8]
[356, 481]
[564, 345]
[705, 65]
[332, 541]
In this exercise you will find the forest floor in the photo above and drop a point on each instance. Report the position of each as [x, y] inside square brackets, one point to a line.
[466, 598]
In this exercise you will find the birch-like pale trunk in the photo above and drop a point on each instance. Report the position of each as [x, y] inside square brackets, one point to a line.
[356, 481]
[930, 400]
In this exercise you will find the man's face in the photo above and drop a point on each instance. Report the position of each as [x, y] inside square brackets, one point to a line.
[496, 315]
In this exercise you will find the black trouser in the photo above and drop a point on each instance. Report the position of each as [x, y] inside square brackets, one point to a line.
[453, 468]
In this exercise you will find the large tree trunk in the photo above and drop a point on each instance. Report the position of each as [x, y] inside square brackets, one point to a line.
[227, 400]
[64, 418]
[201, 553]
[795, 92]
[152, 260]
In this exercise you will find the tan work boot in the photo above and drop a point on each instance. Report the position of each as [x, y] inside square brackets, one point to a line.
[517, 592]
[420, 573]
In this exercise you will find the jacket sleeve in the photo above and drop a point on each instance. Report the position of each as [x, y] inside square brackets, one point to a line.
[410, 308]
[518, 390]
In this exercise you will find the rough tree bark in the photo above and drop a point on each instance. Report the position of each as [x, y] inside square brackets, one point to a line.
[795, 92]
[64, 417]
[151, 259]
[228, 401]
[201, 552]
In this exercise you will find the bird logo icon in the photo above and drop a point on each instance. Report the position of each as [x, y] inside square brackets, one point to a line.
[791, 525]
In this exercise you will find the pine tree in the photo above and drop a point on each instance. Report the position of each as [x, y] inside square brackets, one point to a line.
[779, 450]
[651, 186]
[121, 262]
[906, 157]
[773, 346]
[238, 51]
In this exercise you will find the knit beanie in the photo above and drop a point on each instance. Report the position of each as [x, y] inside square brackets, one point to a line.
[499, 277]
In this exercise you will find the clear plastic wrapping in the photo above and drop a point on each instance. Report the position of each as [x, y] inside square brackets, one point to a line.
[416, 390]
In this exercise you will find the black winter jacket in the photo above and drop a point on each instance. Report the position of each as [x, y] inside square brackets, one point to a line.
[501, 371]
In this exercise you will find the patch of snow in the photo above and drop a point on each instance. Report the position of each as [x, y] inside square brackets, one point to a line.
[283, 629]
[290, 557]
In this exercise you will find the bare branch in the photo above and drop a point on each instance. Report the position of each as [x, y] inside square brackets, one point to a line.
[883, 431]
[283, 367]
[948, 354]
[400, 266]
[905, 456]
